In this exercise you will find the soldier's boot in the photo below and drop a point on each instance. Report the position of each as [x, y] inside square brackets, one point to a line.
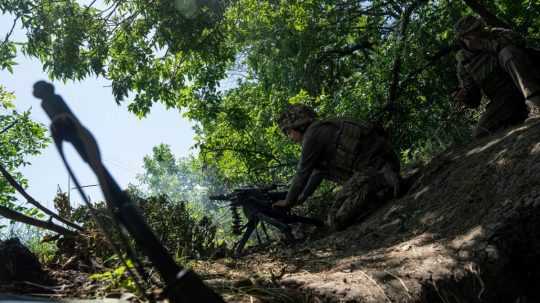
[516, 62]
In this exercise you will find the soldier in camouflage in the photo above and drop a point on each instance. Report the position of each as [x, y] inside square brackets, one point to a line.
[494, 62]
[355, 154]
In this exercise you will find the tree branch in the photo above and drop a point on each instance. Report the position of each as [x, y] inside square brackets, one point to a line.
[9, 127]
[491, 19]
[8, 35]
[240, 150]
[16, 216]
[32, 201]
[350, 49]
[444, 51]
[396, 68]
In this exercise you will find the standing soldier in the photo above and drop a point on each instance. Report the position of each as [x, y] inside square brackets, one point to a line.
[494, 62]
[356, 154]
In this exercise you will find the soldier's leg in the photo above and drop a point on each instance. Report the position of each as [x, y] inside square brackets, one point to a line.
[349, 191]
[352, 207]
[506, 109]
[358, 197]
[364, 192]
[516, 62]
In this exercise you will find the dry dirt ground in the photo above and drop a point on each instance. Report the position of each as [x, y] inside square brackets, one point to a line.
[468, 230]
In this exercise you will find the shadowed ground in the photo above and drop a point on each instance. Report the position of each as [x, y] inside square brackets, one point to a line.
[467, 231]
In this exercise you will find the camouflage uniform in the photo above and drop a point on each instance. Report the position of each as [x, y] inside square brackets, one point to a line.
[494, 63]
[357, 155]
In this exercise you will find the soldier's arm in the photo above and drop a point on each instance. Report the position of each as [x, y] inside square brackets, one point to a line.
[313, 183]
[469, 92]
[503, 37]
[312, 149]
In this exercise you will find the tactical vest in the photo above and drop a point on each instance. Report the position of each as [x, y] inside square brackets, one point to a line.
[354, 141]
[483, 63]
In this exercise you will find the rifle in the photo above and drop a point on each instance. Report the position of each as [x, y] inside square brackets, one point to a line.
[256, 203]
[182, 285]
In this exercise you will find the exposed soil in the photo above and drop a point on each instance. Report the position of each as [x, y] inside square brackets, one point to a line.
[467, 231]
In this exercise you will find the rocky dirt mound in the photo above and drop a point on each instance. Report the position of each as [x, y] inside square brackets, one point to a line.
[18, 263]
[467, 231]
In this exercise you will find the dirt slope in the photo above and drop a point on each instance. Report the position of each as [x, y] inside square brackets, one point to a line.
[467, 231]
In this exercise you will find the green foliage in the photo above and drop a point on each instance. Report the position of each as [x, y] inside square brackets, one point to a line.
[185, 183]
[62, 205]
[45, 251]
[180, 179]
[150, 48]
[32, 237]
[20, 137]
[177, 225]
[183, 230]
[374, 60]
[117, 278]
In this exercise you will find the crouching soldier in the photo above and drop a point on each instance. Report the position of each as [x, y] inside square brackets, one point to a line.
[355, 154]
[494, 62]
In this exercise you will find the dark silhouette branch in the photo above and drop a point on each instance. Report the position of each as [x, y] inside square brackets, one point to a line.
[18, 217]
[491, 19]
[32, 201]
[8, 35]
[350, 49]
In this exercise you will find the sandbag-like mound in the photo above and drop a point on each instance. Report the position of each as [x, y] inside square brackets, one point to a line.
[467, 231]
[18, 263]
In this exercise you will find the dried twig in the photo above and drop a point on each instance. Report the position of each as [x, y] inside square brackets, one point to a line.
[49, 288]
[408, 292]
[473, 268]
[376, 284]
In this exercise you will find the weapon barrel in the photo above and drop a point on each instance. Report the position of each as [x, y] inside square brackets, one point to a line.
[219, 197]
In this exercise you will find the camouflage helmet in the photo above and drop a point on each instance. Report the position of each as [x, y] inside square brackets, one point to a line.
[296, 115]
[468, 24]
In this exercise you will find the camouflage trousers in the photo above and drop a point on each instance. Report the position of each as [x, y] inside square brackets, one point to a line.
[517, 81]
[362, 193]
[505, 109]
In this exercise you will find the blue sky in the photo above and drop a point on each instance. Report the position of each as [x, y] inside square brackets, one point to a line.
[123, 138]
